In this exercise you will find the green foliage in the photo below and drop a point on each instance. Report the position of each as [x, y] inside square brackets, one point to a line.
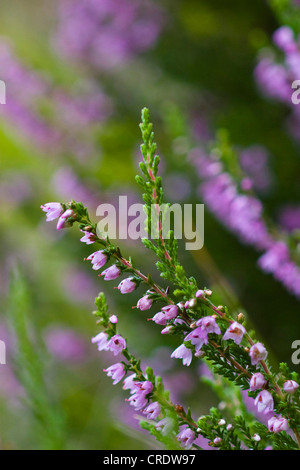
[29, 364]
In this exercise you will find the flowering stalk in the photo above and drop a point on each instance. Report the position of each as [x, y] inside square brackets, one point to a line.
[148, 395]
[205, 330]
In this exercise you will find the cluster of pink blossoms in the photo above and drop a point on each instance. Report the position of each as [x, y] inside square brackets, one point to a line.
[265, 403]
[169, 316]
[243, 214]
[55, 210]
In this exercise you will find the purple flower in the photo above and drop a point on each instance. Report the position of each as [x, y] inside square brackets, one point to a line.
[186, 437]
[116, 372]
[170, 311]
[107, 34]
[257, 353]
[98, 259]
[63, 220]
[199, 293]
[144, 387]
[138, 400]
[127, 286]
[116, 344]
[152, 411]
[183, 353]
[197, 337]
[101, 340]
[88, 237]
[209, 325]
[53, 210]
[190, 304]
[129, 383]
[264, 402]
[277, 424]
[111, 273]
[145, 303]
[167, 313]
[167, 330]
[113, 319]
[257, 381]
[273, 259]
[290, 386]
[284, 39]
[235, 331]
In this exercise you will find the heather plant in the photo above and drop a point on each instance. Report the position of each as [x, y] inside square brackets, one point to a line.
[205, 331]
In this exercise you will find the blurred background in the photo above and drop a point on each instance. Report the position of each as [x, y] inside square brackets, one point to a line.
[218, 85]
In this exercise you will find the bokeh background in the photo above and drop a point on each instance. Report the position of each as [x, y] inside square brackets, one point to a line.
[77, 74]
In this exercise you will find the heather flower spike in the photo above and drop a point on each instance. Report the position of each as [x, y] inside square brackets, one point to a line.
[203, 330]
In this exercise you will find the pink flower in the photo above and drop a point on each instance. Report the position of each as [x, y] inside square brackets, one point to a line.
[167, 313]
[199, 293]
[152, 411]
[101, 340]
[257, 381]
[98, 259]
[264, 402]
[111, 273]
[209, 325]
[160, 318]
[144, 303]
[145, 387]
[186, 437]
[129, 383]
[116, 372]
[277, 424]
[113, 319]
[183, 353]
[257, 353]
[88, 237]
[138, 400]
[190, 304]
[171, 311]
[126, 286]
[116, 344]
[235, 331]
[62, 221]
[217, 440]
[167, 330]
[197, 337]
[290, 386]
[53, 210]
